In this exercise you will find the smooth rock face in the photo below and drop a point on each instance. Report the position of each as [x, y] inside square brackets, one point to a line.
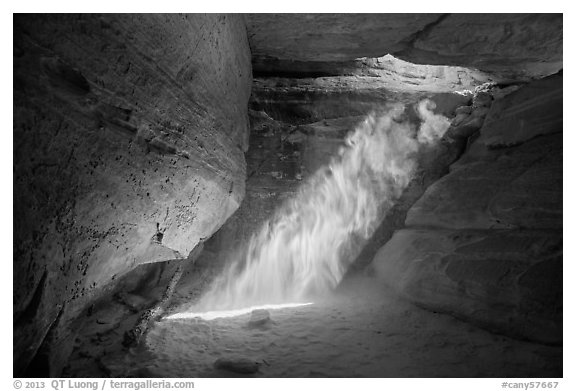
[509, 281]
[516, 46]
[129, 132]
[516, 188]
[484, 243]
[533, 110]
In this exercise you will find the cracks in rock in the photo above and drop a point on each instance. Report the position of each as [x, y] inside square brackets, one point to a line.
[133, 336]
[201, 37]
[31, 309]
[495, 147]
[40, 363]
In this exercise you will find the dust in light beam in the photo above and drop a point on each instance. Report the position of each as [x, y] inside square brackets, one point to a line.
[305, 248]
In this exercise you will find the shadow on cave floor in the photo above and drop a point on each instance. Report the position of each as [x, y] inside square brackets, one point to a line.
[362, 331]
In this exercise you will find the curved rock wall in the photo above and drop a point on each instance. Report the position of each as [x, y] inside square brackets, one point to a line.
[484, 243]
[129, 133]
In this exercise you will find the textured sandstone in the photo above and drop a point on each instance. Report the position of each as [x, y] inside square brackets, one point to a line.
[129, 132]
[331, 37]
[304, 101]
[516, 46]
[512, 44]
[507, 281]
[281, 155]
[516, 188]
[533, 110]
[388, 73]
[501, 188]
[484, 243]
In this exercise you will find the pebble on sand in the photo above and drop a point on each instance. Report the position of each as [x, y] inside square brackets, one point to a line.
[237, 365]
[259, 318]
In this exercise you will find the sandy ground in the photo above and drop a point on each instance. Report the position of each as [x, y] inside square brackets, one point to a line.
[363, 331]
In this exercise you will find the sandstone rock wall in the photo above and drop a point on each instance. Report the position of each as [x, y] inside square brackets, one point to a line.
[331, 37]
[129, 133]
[484, 243]
[511, 46]
[514, 45]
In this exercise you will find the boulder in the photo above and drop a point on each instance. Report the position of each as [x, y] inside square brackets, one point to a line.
[239, 365]
[259, 318]
[464, 126]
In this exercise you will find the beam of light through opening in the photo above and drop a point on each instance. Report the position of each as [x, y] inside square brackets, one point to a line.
[211, 315]
[303, 251]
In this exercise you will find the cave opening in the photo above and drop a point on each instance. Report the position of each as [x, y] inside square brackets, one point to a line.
[372, 203]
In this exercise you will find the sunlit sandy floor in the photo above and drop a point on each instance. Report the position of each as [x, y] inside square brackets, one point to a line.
[361, 332]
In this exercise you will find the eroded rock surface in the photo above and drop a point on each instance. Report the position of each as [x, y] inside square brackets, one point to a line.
[484, 243]
[526, 113]
[129, 136]
[513, 46]
[129, 132]
[331, 37]
[516, 188]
